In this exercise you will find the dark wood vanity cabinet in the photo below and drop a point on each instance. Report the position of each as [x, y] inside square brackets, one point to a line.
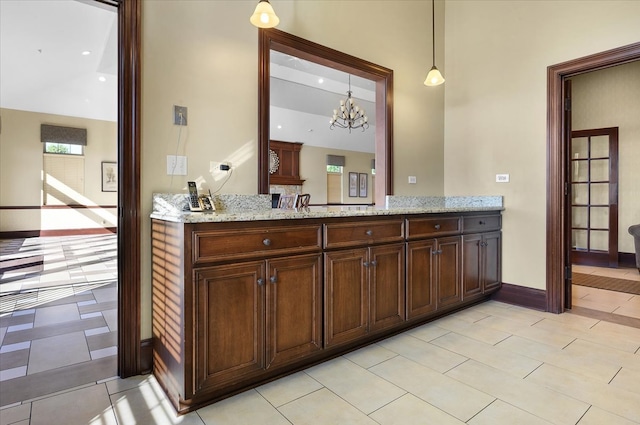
[364, 291]
[364, 285]
[433, 264]
[253, 316]
[236, 304]
[232, 303]
[482, 256]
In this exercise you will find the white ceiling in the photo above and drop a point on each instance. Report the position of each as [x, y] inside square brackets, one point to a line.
[42, 68]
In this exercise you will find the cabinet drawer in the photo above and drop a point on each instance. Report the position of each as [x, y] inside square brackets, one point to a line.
[338, 235]
[211, 246]
[481, 223]
[432, 226]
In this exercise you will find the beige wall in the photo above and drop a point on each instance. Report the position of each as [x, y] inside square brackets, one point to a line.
[496, 58]
[21, 154]
[313, 169]
[203, 55]
[611, 98]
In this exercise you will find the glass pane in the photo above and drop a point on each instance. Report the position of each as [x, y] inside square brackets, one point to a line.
[579, 239]
[600, 170]
[600, 147]
[580, 173]
[599, 218]
[579, 147]
[599, 240]
[579, 217]
[600, 194]
[580, 193]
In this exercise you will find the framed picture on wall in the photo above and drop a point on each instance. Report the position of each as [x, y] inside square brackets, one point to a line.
[353, 185]
[363, 185]
[109, 176]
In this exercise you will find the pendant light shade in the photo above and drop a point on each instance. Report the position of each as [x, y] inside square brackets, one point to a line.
[264, 16]
[434, 77]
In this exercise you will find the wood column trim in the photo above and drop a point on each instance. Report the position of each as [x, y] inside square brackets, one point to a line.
[129, 45]
[556, 158]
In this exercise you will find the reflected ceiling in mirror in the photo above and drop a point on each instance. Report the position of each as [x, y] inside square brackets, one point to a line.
[304, 95]
[296, 52]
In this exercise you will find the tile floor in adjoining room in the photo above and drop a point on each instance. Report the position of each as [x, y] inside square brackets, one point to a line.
[617, 303]
[58, 314]
[492, 363]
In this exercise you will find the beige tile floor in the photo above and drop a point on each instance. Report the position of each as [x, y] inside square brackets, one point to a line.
[493, 363]
[618, 303]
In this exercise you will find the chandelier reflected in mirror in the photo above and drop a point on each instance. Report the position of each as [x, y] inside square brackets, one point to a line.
[350, 115]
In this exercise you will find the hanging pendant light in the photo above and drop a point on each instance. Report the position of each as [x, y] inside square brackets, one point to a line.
[264, 16]
[434, 77]
[349, 115]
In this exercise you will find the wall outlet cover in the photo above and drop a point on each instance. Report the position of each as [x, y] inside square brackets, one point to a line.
[502, 178]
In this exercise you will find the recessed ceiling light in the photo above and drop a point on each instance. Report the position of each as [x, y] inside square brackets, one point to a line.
[279, 126]
[320, 80]
[86, 53]
[102, 78]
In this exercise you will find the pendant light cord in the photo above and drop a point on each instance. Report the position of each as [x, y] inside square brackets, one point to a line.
[433, 31]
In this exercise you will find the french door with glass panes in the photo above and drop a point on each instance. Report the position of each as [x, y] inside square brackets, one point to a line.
[594, 197]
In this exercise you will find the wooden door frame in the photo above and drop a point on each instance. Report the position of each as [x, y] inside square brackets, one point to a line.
[129, 44]
[557, 208]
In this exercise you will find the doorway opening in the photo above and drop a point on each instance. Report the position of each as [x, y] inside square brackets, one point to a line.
[134, 356]
[58, 274]
[558, 273]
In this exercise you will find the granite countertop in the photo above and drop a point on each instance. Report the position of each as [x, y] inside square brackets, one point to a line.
[236, 209]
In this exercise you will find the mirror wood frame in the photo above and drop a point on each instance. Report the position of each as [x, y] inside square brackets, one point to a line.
[273, 39]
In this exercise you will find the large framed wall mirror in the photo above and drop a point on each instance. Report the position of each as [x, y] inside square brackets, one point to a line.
[285, 62]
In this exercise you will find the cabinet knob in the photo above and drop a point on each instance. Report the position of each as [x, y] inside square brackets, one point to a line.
[260, 281]
[273, 279]
[369, 232]
[482, 223]
[266, 242]
[437, 226]
[366, 264]
[374, 263]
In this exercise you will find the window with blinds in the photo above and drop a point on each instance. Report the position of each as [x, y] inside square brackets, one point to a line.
[63, 180]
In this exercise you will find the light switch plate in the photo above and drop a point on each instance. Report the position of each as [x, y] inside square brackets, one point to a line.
[176, 165]
[502, 178]
[412, 180]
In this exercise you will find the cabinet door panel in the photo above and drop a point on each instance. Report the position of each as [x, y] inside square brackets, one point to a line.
[386, 285]
[346, 296]
[471, 265]
[491, 265]
[294, 308]
[229, 323]
[449, 267]
[421, 298]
